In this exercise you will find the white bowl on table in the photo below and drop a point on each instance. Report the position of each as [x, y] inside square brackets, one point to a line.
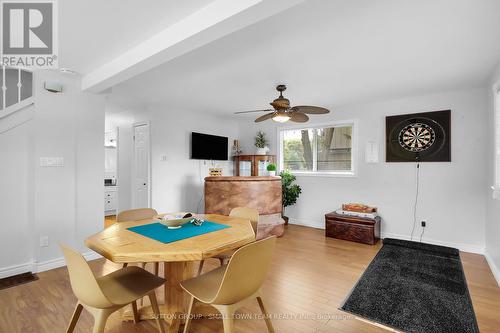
[174, 220]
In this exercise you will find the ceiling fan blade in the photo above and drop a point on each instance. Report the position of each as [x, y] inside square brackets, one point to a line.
[310, 109]
[298, 117]
[267, 110]
[264, 117]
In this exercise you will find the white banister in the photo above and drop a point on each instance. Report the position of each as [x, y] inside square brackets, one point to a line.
[15, 112]
[4, 88]
[19, 85]
[9, 73]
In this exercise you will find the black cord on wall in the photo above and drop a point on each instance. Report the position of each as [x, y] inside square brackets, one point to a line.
[417, 176]
[421, 234]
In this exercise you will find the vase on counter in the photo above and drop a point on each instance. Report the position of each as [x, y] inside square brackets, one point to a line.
[262, 151]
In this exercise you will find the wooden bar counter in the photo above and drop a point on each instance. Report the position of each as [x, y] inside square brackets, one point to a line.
[262, 193]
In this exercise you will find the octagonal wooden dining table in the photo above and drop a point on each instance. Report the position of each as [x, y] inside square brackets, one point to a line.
[120, 245]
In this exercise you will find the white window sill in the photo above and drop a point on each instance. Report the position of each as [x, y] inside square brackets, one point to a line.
[339, 174]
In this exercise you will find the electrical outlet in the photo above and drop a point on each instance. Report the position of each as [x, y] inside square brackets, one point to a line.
[44, 241]
[424, 223]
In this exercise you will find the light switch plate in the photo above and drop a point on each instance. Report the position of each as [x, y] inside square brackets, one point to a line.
[371, 153]
[51, 162]
[44, 241]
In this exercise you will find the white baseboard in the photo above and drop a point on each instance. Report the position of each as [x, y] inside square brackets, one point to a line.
[494, 268]
[307, 223]
[471, 248]
[16, 269]
[41, 266]
[91, 255]
[59, 262]
[461, 246]
[49, 264]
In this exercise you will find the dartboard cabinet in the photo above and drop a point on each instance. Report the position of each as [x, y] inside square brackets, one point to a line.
[418, 137]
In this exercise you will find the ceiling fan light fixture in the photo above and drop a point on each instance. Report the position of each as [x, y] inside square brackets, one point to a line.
[283, 112]
[281, 117]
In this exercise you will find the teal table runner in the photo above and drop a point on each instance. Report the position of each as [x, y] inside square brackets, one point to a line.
[161, 233]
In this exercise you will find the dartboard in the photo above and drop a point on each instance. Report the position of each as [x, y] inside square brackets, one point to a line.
[422, 137]
[417, 137]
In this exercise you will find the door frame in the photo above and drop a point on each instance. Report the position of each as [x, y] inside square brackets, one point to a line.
[116, 129]
[133, 198]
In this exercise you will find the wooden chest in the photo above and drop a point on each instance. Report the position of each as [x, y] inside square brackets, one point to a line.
[352, 228]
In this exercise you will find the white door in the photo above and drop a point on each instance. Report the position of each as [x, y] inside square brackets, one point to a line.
[141, 186]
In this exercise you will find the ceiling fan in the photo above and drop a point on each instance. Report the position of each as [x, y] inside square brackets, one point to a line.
[282, 112]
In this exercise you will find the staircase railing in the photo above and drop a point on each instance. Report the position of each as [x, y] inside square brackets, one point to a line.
[16, 97]
[16, 89]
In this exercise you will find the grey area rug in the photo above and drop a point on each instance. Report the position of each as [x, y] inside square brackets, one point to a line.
[414, 287]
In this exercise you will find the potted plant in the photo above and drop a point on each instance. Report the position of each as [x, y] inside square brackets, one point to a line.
[289, 191]
[261, 143]
[271, 168]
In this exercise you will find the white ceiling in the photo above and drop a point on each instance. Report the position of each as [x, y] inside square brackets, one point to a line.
[92, 32]
[332, 52]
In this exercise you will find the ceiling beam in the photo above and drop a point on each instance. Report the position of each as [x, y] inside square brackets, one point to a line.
[214, 21]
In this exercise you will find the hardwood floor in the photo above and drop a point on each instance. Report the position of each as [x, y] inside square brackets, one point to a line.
[109, 220]
[310, 277]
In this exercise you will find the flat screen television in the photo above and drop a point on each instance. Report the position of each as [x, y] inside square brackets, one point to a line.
[209, 147]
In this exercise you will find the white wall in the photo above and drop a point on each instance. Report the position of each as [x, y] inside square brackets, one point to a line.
[452, 195]
[493, 205]
[68, 200]
[63, 203]
[15, 182]
[177, 182]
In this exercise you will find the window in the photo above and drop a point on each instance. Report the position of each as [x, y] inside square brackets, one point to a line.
[326, 150]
